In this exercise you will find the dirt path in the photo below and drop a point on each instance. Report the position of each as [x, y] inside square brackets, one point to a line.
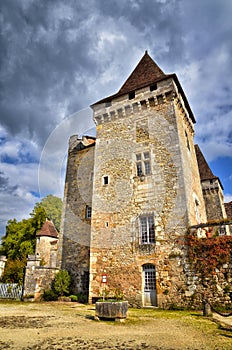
[71, 326]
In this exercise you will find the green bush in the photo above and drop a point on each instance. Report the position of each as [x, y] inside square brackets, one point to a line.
[118, 294]
[82, 298]
[73, 297]
[49, 295]
[61, 283]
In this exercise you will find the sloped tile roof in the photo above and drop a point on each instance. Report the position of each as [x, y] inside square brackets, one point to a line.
[145, 73]
[228, 207]
[204, 169]
[48, 229]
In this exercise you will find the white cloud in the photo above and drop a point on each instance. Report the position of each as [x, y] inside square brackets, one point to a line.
[227, 198]
[53, 156]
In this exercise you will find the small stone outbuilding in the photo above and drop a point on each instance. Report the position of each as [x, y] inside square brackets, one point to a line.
[42, 267]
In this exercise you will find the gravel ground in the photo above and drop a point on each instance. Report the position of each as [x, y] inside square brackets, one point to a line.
[70, 326]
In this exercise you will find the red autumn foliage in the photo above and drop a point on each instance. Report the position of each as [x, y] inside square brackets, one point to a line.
[208, 254]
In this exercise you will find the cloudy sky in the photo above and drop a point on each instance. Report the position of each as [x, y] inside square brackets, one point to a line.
[57, 57]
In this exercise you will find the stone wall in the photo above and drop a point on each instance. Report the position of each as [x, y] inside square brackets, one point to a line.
[195, 205]
[75, 227]
[46, 250]
[214, 199]
[155, 122]
[37, 278]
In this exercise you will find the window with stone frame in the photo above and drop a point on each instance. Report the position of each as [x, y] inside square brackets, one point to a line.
[147, 229]
[88, 212]
[143, 163]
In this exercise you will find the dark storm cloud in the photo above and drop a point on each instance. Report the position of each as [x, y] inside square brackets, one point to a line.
[3, 180]
[4, 184]
[41, 66]
[149, 17]
[51, 54]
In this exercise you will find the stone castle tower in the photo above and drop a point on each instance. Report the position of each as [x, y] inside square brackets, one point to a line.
[131, 193]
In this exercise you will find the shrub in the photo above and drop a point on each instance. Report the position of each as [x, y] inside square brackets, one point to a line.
[61, 283]
[49, 295]
[118, 294]
[82, 298]
[73, 297]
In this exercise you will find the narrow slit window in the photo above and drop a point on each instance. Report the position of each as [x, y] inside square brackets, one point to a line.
[105, 180]
[88, 212]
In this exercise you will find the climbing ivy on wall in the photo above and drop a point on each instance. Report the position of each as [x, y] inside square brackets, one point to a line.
[208, 254]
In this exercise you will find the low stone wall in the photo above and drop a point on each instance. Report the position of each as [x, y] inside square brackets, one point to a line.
[38, 279]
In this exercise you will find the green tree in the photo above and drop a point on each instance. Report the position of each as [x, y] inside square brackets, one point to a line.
[19, 242]
[53, 208]
[14, 271]
[62, 281]
[20, 238]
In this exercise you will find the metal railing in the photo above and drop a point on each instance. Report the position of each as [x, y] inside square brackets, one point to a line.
[11, 291]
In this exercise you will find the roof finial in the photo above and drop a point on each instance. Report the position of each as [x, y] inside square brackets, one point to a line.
[146, 52]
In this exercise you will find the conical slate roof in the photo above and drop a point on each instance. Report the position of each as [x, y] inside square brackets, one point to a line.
[48, 229]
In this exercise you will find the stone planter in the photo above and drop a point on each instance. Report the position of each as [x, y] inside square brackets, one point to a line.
[112, 309]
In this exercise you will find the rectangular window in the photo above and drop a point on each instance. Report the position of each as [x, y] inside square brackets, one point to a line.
[108, 104]
[153, 87]
[147, 230]
[131, 95]
[105, 180]
[139, 168]
[143, 163]
[147, 167]
[88, 212]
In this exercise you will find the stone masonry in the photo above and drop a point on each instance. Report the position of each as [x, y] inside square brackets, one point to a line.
[131, 194]
[76, 224]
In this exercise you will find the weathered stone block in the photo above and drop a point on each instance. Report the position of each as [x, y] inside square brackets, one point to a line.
[114, 309]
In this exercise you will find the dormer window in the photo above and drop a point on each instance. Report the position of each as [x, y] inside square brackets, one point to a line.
[153, 87]
[131, 95]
